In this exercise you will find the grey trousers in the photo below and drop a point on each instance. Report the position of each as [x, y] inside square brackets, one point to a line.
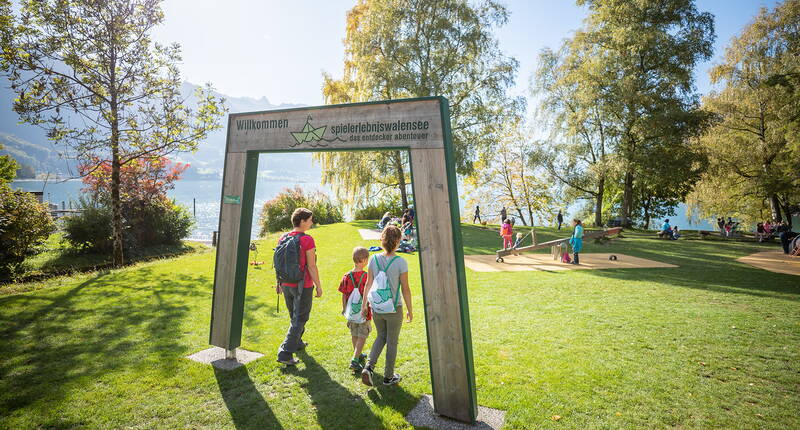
[298, 302]
[388, 327]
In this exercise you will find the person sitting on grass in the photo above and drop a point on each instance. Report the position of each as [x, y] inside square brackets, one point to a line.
[387, 325]
[666, 230]
[352, 280]
[506, 233]
[576, 240]
[385, 219]
[675, 233]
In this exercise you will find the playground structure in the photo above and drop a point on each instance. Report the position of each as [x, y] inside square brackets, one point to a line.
[555, 245]
[421, 127]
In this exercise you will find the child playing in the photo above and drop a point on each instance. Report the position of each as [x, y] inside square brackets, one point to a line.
[351, 280]
[518, 242]
[576, 241]
[388, 325]
[506, 232]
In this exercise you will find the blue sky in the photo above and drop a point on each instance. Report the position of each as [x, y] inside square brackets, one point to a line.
[279, 49]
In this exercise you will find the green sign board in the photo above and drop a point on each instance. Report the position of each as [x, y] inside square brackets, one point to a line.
[232, 200]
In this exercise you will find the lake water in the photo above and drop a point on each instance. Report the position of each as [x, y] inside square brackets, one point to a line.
[206, 196]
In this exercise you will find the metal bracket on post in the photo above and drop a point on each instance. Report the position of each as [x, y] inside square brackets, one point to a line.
[230, 354]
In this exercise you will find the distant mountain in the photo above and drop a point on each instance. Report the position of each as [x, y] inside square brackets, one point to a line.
[29, 144]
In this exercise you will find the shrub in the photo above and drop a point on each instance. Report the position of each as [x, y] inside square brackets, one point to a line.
[377, 209]
[154, 223]
[24, 223]
[276, 215]
[89, 230]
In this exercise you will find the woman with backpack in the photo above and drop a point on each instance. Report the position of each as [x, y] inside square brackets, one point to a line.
[386, 292]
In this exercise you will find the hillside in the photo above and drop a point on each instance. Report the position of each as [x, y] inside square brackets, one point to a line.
[29, 144]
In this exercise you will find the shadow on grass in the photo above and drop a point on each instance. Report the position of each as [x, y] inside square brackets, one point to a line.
[106, 324]
[705, 266]
[247, 406]
[336, 406]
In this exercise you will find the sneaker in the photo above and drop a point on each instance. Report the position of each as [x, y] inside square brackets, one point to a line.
[356, 366]
[366, 376]
[290, 362]
[302, 345]
[393, 380]
[362, 359]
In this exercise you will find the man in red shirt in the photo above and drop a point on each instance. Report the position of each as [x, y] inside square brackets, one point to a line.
[298, 298]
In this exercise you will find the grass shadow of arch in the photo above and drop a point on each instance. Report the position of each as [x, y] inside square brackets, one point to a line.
[245, 403]
[336, 406]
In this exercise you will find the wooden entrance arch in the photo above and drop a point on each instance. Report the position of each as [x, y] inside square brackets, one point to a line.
[421, 126]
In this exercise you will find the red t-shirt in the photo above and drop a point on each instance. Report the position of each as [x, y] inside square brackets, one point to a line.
[346, 286]
[306, 243]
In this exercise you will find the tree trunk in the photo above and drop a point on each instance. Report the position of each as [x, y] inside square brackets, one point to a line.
[646, 223]
[775, 206]
[598, 207]
[116, 204]
[627, 199]
[522, 217]
[401, 178]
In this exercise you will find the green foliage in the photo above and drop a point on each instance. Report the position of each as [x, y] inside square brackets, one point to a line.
[624, 82]
[276, 215]
[160, 222]
[8, 168]
[376, 209]
[753, 146]
[389, 55]
[90, 229]
[24, 223]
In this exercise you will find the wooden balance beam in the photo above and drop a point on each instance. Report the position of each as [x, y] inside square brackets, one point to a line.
[592, 234]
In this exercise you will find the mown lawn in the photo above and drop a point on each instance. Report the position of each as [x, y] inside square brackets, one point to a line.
[712, 344]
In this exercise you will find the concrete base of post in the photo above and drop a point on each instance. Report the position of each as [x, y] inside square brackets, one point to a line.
[225, 359]
[423, 415]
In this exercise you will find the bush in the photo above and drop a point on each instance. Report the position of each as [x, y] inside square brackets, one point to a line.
[276, 215]
[89, 230]
[154, 223]
[376, 210]
[24, 223]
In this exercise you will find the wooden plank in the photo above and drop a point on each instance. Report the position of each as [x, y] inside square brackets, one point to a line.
[395, 124]
[590, 234]
[449, 371]
[225, 265]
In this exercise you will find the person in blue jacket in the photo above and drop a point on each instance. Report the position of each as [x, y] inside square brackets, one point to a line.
[576, 241]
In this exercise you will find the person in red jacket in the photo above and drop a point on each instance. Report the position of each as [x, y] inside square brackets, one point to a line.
[506, 232]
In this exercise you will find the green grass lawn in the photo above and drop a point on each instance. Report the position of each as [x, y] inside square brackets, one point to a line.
[712, 344]
[55, 257]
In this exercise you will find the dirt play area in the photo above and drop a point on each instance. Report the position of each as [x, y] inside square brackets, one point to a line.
[545, 262]
[774, 261]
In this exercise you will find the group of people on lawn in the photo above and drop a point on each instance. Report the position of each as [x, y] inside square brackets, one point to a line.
[298, 299]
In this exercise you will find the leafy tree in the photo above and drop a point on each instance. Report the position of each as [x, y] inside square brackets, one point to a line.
[149, 216]
[640, 55]
[578, 153]
[753, 147]
[88, 72]
[507, 178]
[415, 48]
